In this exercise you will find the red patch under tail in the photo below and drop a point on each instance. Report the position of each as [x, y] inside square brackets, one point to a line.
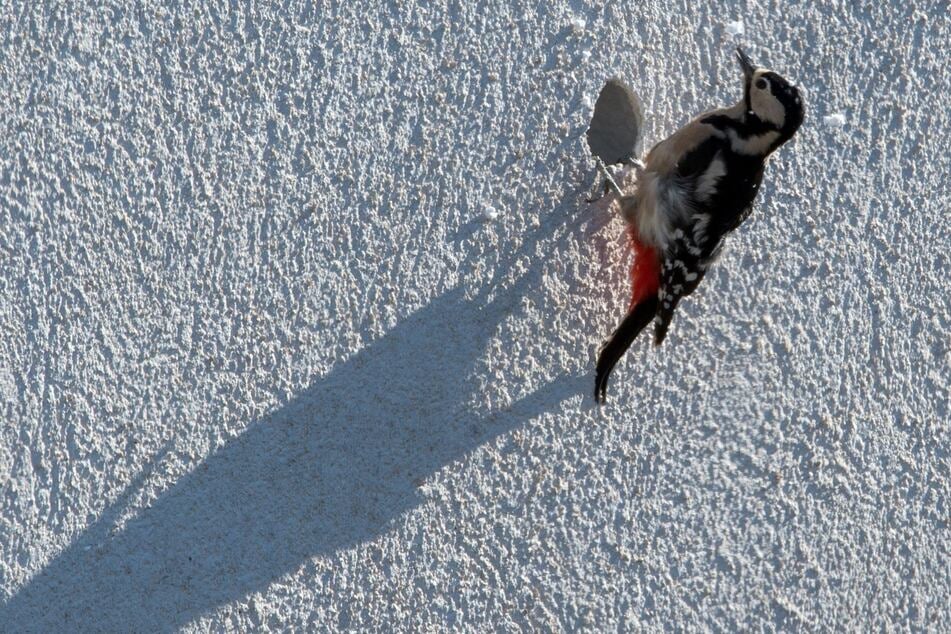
[645, 271]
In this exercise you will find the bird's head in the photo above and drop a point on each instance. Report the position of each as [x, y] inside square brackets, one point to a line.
[771, 98]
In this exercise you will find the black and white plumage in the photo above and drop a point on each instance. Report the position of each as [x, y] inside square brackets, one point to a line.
[695, 187]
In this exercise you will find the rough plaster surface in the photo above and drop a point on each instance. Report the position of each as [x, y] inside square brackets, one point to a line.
[299, 305]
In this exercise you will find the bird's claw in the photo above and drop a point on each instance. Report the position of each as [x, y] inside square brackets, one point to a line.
[609, 182]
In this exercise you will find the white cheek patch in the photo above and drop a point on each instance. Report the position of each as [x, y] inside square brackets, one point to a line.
[766, 106]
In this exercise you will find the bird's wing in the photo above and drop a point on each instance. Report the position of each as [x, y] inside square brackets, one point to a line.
[719, 207]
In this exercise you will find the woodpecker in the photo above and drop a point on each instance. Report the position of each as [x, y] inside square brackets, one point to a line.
[693, 188]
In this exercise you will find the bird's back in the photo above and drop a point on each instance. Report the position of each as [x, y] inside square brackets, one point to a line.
[696, 176]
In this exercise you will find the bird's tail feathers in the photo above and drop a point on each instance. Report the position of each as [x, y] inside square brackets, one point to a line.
[620, 340]
[661, 324]
[645, 280]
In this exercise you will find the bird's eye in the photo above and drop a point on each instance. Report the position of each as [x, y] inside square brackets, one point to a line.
[762, 83]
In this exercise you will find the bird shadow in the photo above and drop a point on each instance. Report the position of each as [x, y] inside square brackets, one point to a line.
[334, 467]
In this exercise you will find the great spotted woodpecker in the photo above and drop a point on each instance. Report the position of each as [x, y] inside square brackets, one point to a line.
[694, 188]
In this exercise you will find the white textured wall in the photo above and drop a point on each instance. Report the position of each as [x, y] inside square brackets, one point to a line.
[264, 362]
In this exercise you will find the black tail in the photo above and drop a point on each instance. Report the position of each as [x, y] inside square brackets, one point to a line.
[618, 343]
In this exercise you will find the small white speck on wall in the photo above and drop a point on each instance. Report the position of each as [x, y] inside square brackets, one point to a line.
[490, 213]
[8, 386]
[735, 28]
[834, 120]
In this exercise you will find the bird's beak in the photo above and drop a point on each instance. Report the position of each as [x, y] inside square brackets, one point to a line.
[748, 67]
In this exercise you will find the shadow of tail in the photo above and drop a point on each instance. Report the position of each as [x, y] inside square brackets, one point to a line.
[336, 466]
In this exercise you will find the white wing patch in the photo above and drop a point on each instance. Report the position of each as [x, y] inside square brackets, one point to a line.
[700, 224]
[707, 184]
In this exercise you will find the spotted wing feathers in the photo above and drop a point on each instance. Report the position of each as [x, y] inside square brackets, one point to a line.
[685, 263]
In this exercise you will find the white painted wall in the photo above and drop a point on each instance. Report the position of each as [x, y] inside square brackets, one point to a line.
[265, 363]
